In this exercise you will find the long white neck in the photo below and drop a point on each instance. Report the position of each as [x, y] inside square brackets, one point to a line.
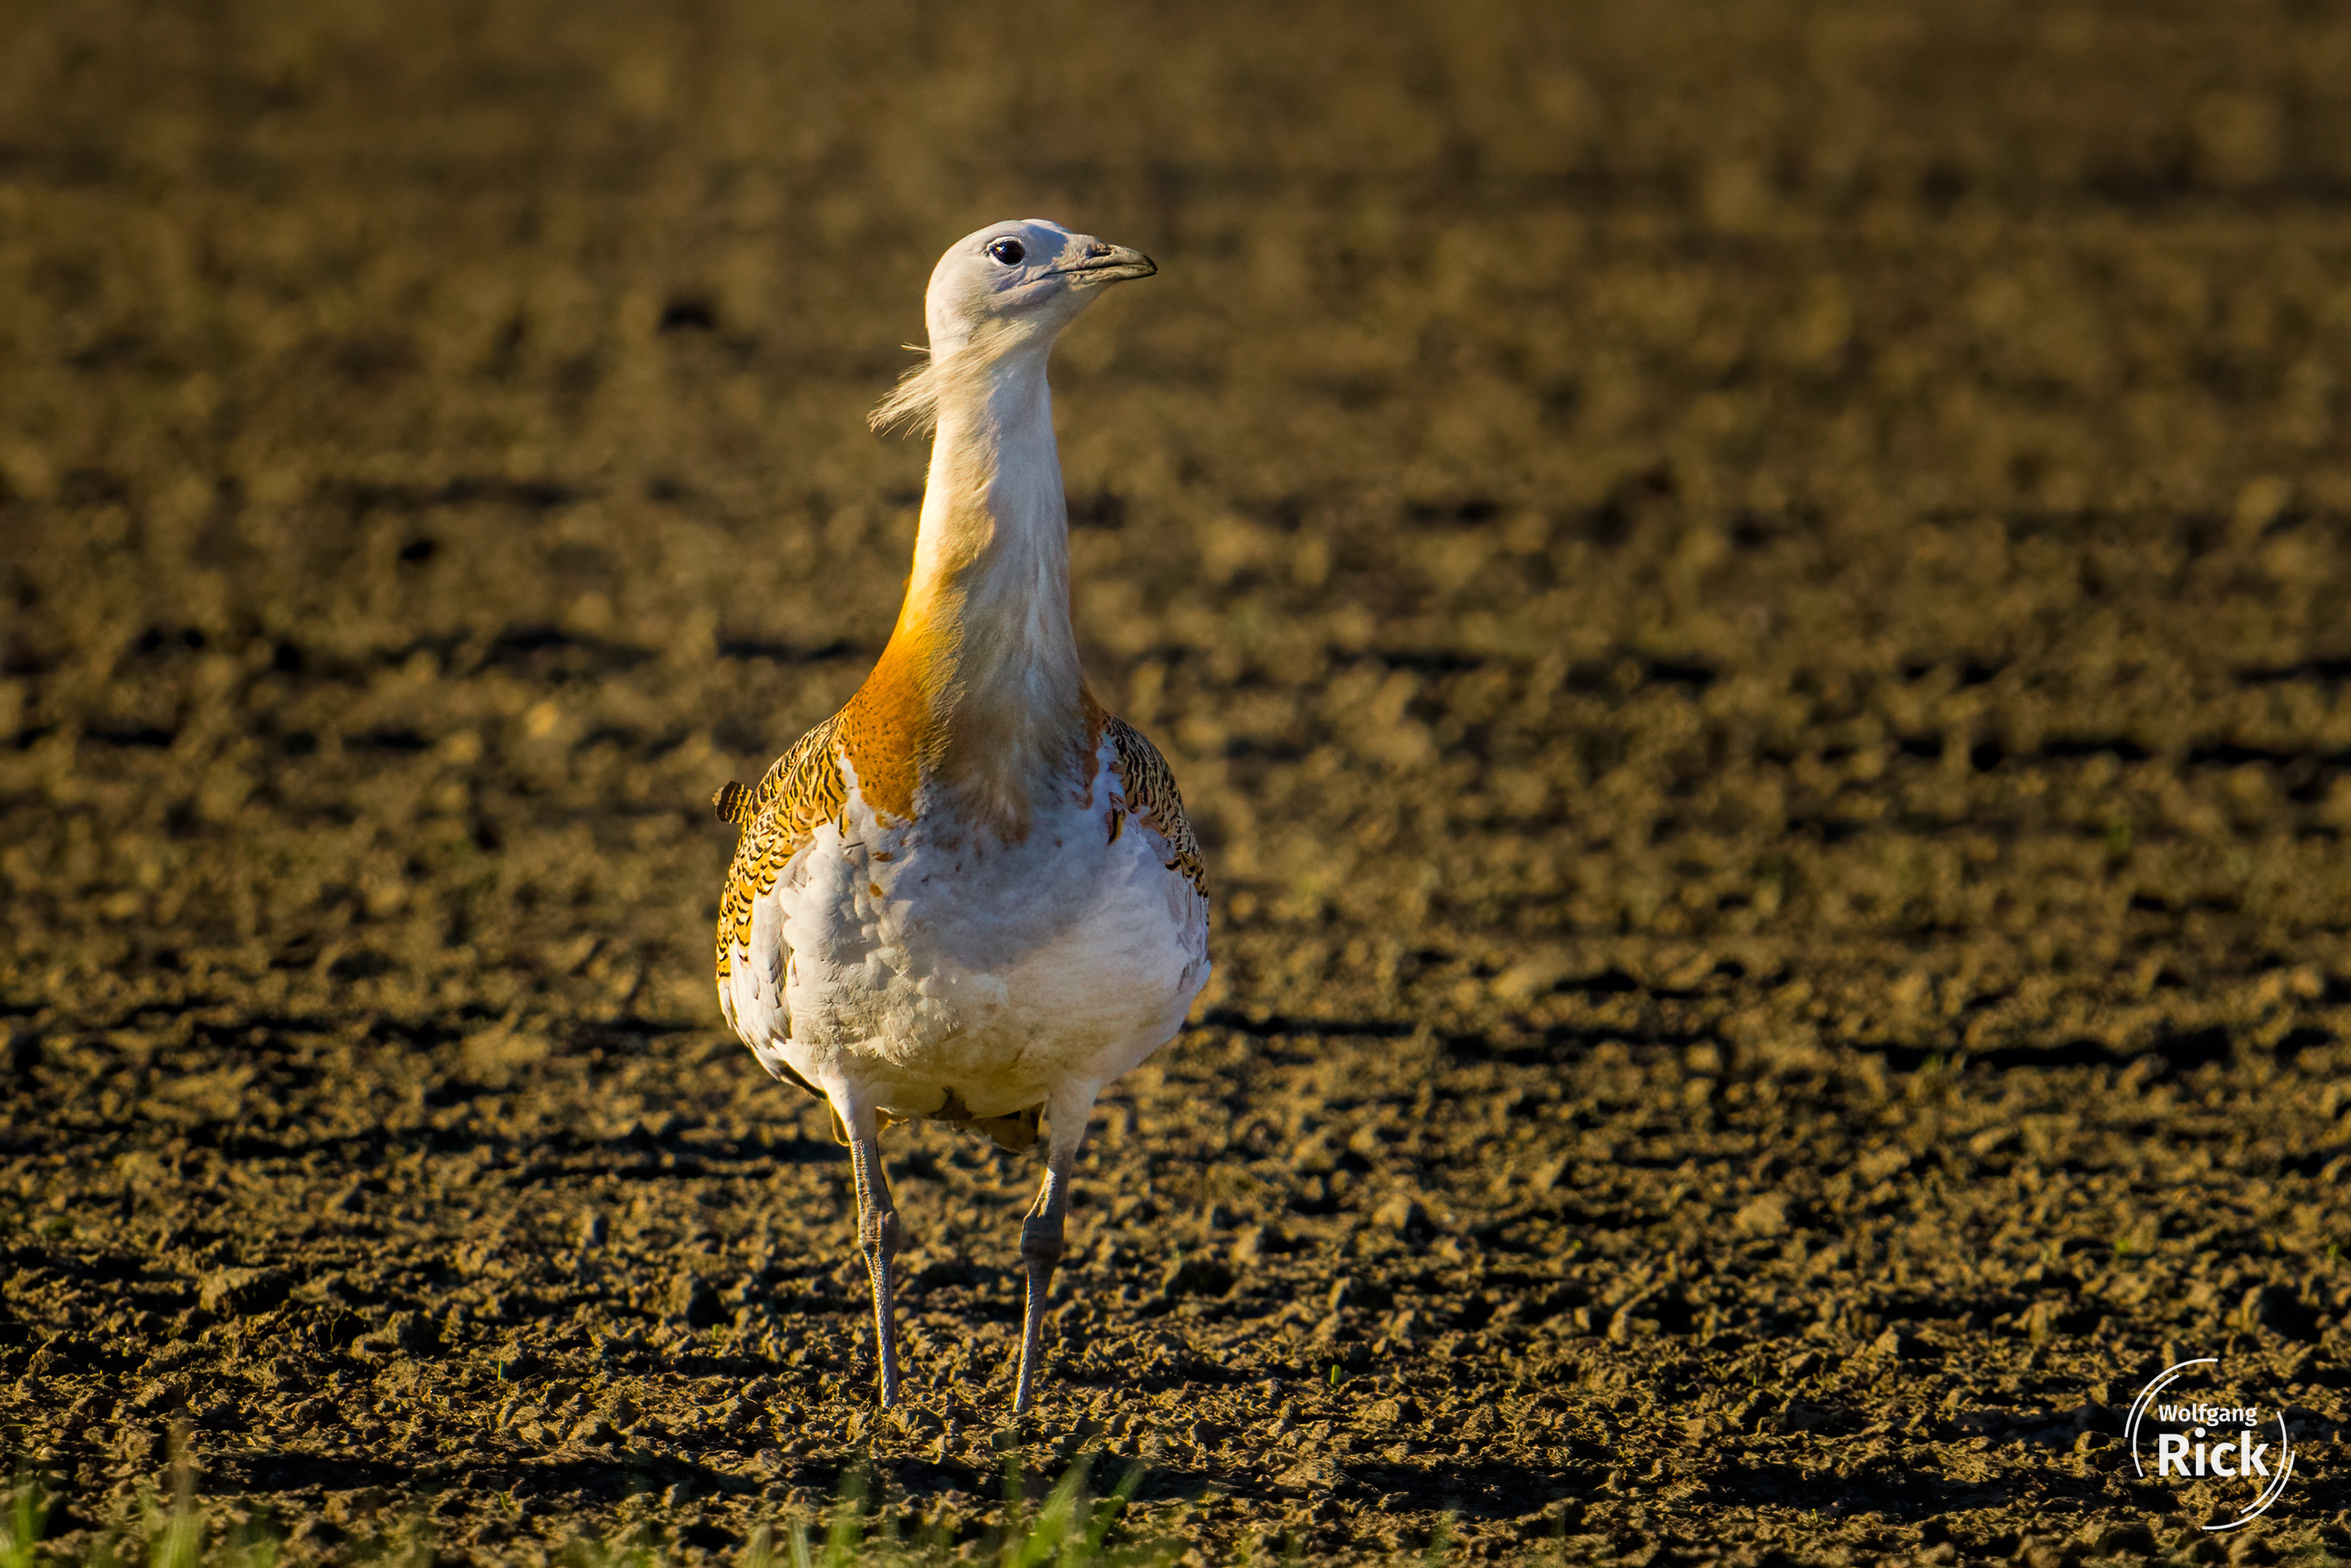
[988, 606]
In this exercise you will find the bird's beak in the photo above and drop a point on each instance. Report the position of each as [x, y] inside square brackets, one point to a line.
[1105, 263]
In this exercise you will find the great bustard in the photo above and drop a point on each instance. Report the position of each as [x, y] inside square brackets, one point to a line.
[970, 895]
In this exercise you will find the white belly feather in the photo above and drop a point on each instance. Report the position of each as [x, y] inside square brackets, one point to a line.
[913, 963]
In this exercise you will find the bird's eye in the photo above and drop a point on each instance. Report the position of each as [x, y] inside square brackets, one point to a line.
[1010, 252]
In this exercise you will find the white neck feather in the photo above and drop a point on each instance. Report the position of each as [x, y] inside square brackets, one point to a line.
[991, 581]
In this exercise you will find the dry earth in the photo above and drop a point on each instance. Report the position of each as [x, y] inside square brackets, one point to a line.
[1748, 599]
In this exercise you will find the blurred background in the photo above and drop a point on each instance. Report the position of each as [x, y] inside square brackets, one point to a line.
[1802, 474]
[1727, 541]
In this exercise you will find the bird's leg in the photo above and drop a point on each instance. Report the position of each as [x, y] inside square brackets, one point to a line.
[879, 1235]
[1040, 1232]
[1040, 1252]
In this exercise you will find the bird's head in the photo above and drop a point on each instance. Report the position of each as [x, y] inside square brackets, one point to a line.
[999, 291]
[1028, 278]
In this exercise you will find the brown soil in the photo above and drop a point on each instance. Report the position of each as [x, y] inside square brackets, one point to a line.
[1749, 602]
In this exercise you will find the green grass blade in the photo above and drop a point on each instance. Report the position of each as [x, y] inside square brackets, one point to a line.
[28, 1515]
[1441, 1541]
[1107, 1512]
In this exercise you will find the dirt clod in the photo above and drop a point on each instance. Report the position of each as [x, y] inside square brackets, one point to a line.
[243, 1293]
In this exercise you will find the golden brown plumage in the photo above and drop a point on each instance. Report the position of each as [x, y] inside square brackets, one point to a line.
[802, 791]
[1149, 785]
[805, 789]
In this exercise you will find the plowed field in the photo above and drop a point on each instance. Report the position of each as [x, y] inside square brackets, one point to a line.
[1749, 599]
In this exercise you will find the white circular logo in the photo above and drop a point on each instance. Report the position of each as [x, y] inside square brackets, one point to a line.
[2178, 1437]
